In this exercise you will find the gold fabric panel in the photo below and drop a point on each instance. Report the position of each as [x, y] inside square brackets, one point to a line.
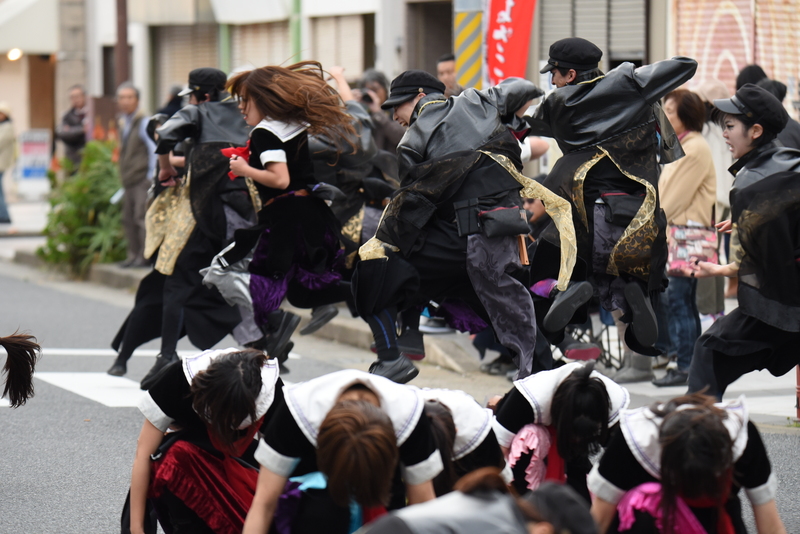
[577, 186]
[557, 208]
[168, 224]
[639, 235]
[352, 231]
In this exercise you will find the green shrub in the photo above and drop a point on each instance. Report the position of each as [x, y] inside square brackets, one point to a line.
[83, 227]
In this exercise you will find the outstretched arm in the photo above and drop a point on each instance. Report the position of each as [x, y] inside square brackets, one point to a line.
[268, 491]
[661, 77]
[149, 439]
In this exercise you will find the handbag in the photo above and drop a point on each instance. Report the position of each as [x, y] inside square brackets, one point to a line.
[686, 242]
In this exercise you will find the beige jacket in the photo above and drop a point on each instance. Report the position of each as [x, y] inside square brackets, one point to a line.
[7, 144]
[688, 186]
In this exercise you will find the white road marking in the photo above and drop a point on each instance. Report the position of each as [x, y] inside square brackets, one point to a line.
[106, 353]
[4, 402]
[111, 391]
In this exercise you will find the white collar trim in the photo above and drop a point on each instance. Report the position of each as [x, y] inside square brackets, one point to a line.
[283, 130]
[641, 426]
[194, 364]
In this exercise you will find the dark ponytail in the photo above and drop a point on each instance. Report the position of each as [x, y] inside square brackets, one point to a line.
[224, 395]
[22, 355]
[580, 414]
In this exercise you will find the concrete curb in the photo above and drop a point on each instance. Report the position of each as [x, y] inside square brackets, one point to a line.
[442, 351]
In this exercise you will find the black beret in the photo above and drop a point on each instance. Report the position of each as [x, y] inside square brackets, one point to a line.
[758, 105]
[409, 84]
[573, 53]
[205, 78]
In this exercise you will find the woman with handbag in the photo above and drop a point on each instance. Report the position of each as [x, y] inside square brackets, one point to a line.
[687, 188]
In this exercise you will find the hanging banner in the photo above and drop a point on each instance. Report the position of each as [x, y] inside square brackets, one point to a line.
[508, 35]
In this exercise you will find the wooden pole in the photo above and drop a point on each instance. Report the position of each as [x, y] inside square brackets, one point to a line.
[121, 54]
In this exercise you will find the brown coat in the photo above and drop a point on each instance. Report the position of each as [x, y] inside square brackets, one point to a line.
[133, 156]
[688, 187]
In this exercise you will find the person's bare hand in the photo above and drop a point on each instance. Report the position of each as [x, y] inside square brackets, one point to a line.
[724, 226]
[239, 166]
[699, 269]
[336, 72]
[166, 176]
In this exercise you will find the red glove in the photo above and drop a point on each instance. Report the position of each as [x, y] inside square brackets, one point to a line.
[242, 152]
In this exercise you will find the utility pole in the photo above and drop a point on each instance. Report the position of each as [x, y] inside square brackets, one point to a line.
[121, 55]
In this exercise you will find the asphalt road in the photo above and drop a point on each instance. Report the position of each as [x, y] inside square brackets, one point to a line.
[66, 458]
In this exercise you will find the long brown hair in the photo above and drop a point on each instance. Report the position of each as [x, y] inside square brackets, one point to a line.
[297, 93]
[444, 434]
[357, 451]
[22, 354]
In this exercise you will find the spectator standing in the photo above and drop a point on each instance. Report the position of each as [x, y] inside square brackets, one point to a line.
[709, 91]
[446, 73]
[688, 191]
[7, 156]
[73, 130]
[137, 161]
[374, 92]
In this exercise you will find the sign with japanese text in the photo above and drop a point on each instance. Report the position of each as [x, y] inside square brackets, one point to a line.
[508, 34]
[34, 154]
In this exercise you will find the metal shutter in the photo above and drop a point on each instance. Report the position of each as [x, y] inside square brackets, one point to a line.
[339, 41]
[179, 49]
[628, 26]
[256, 45]
[591, 18]
[556, 23]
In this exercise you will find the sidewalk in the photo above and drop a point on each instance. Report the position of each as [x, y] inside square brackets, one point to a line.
[771, 399]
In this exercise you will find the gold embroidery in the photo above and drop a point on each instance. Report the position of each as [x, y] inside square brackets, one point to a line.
[557, 208]
[639, 235]
[426, 104]
[352, 228]
[168, 224]
[577, 186]
[254, 196]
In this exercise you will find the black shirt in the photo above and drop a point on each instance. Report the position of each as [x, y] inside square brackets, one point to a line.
[265, 147]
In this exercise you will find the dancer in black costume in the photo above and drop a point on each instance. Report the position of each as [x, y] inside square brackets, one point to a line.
[611, 131]
[764, 331]
[187, 225]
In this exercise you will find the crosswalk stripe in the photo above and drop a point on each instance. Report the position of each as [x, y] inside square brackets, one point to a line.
[111, 391]
[111, 353]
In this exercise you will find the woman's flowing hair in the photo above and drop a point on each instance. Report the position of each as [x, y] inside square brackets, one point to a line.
[297, 93]
[22, 353]
[696, 454]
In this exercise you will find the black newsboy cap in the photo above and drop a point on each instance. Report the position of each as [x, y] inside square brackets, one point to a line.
[573, 53]
[205, 78]
[409, 84]
[758, 105]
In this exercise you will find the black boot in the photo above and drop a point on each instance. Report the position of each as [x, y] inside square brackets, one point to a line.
[119, 368]
[155, 372]
[279, 331]
[644, 325]
[400, 370]
[565, 304]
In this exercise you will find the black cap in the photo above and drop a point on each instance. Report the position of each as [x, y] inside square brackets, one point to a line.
[409, 84]
[562, 507]
[573, 53]
[758, 105]
[205, 78]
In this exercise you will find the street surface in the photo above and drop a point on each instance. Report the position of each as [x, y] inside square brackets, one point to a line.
[67, 454]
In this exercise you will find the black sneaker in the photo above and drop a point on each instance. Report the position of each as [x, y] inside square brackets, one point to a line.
[283, 357]
[400, 370]
[565, 304]
[674, 377]
[320, 316]
[155, 372]
[278, 336]
[643, 321]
